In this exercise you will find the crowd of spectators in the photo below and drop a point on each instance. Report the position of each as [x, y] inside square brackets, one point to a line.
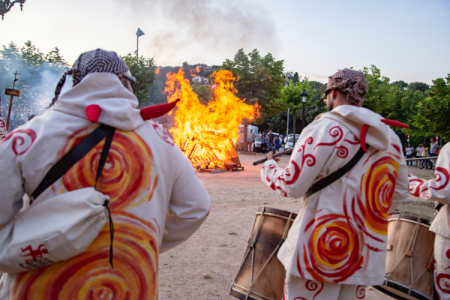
[423, 151]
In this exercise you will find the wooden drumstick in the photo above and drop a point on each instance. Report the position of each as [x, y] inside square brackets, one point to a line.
[275, 155]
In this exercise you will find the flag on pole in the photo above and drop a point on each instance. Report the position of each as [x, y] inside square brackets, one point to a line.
[139, 33]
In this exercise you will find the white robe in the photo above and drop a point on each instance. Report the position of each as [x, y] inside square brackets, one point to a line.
[157, 200]
[340, 233]
[438, 189]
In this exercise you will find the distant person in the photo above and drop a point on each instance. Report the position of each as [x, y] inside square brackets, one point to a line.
[241, 141]
[433, 152]
[250, 138]
[419, 154]
[263, 142]
[277, 143]
[424, 154]
[270, 138]
[409, 152]
[337, 243]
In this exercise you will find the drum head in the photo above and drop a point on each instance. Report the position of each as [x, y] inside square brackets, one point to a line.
[395, 216]
[400, 291]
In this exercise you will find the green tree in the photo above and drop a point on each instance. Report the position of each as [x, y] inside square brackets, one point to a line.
[260, 79]
[291, 97]
[432, 117]
[418, 86]
[38, 76]
[144, 71]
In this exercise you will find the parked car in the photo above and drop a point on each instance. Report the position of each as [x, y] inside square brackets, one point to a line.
[290, 143]
[256, 145]
[283, 137]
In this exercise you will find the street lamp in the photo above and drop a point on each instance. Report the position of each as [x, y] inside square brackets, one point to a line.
[6, 5]
[304, 96]
[290, 77]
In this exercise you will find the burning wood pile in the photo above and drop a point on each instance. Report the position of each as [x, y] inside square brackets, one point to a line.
[207, 134]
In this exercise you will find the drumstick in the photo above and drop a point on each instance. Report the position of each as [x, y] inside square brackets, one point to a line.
[275, 155]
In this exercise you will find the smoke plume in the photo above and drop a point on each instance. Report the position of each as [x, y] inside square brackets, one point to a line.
[204, 27]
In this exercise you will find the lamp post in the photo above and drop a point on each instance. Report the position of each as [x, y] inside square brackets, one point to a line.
[304, 96]
[6, 5]
[287, 125]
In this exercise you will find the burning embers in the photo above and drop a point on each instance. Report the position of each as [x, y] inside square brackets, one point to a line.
[206, 134]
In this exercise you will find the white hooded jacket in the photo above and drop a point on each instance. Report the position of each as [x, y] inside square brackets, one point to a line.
[156, 199]
[340, 233]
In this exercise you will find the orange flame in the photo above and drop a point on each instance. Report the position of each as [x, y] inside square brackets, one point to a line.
[206, 134]
[157, 70]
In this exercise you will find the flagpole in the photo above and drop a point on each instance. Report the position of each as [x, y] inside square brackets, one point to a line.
[139, 33]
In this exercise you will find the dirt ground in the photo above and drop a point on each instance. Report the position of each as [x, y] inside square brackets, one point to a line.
[205, 266]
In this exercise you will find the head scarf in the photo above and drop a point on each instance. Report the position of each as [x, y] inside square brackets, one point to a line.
[92, 62]
[350, 82]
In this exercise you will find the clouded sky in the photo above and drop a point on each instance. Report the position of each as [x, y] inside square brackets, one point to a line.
[407, 39]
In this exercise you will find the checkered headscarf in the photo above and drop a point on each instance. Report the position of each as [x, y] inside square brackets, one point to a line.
[92, 62]
[350, 82]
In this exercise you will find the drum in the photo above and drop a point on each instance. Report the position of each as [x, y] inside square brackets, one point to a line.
[409, 258]
[261, 275]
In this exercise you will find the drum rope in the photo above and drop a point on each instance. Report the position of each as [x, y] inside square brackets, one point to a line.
[410, 248]
[390, 240]
[286, 230]
[252, 249]
[416, 230]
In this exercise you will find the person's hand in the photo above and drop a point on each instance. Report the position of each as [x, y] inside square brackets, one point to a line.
[270, 156]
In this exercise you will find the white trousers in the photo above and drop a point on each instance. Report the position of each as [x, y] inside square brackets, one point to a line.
[296, 288]
[442, 266]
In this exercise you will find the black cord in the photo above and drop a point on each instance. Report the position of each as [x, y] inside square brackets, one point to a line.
[111, 232]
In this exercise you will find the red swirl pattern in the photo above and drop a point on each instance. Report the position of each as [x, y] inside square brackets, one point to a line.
[334, 250]
[360, 292]
[335, 132]
[126, 177]
[313, 286]
[89, 275]
[378, 187]
[22, 140]
[443, 283]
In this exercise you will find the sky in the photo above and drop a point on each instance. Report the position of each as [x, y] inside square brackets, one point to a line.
[406, 39]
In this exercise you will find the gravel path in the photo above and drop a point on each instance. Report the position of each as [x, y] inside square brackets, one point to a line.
[204, 266]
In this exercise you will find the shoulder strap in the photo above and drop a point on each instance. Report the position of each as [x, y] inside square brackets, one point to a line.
[326, 181]
[74, 155]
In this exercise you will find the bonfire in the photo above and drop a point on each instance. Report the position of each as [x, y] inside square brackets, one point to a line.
[207, 133]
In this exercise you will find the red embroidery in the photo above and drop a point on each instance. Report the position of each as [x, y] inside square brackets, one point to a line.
[342, 152]
[2, 124]
[335, 132]
[35, 254]
[356, 142]
[313, 286]
[396, 147]
[162, 135]
[443, 279]
[360, 292]
[19, 140]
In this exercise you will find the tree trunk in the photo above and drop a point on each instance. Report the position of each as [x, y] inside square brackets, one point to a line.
[293, 124]
[245, 135]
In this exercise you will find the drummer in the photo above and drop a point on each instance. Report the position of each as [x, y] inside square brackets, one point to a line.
[336, 245]
[438, 189]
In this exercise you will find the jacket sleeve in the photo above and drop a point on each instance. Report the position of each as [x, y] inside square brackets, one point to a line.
[11, 185]
[189, 204]
[438, 188]
[315, 145]
[401, 192]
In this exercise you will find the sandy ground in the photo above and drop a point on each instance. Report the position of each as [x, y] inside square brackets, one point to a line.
[205, 266]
